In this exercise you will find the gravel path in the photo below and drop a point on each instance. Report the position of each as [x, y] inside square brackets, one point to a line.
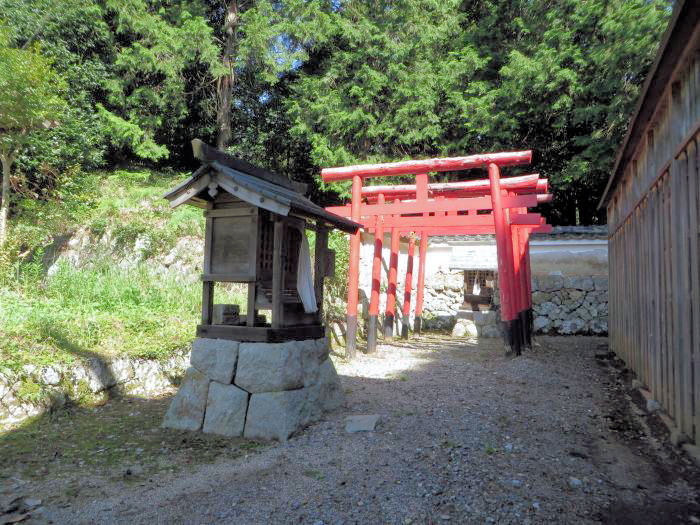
[466, 436]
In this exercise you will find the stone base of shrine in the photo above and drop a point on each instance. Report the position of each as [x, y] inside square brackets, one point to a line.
[255, 390]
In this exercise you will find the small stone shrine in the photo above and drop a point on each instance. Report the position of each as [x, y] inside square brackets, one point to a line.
[250, 376]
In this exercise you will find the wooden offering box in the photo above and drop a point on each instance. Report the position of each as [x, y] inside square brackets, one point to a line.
[255, 223]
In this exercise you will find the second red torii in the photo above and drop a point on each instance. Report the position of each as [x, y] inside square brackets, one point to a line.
[439, 209]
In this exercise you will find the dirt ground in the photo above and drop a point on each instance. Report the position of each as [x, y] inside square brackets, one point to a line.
[466, 435]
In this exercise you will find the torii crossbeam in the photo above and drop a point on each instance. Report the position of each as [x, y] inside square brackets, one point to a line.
[494, 205]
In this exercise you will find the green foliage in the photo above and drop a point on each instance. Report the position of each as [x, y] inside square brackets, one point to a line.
[98, 308]
[78, 41]
[421, 78]
[29, 90]
[123, 134]
[102, 310]
[320, 83]
[380, 88]
[336, 287]
[29, 391]
[30, 99]
[124, 204]
[139, 75]
[570, 87]
[167, 51]
[277, 35]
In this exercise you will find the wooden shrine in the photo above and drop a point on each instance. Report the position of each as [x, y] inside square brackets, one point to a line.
[255, 224]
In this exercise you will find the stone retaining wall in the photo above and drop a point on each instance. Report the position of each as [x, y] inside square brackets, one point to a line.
[443, 297]
[570, 305]
[36, 389]
[564, 305]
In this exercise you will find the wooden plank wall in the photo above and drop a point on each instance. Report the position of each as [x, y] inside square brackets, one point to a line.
[654, 260]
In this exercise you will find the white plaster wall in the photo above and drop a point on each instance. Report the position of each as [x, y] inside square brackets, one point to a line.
[569, 257]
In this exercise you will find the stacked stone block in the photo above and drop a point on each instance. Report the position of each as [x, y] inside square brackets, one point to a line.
[443, 298]
[255, 390]
[565, 305]
[570, 305]
[478, 324]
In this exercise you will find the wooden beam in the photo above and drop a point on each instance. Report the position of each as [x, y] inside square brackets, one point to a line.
[277, 275]
[531, 219]
[320, 253]
[410, 167]
[261, 333]
[228, 277]
[433, 206]
[480, 186]
[207, 301]
[353, 272]
[250, 313]
[193, 190]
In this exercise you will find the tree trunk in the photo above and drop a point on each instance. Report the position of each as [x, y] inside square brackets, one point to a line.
[6, 159]
[224, 87]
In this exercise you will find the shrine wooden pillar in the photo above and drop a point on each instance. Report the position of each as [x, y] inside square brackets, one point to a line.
[408, 286]
[514, 286]
[376, 282]
[528, 282]
[420, 284]
[421, 199]
[504, 250]
[320, 261]
[353, 271]
[525, 296]
[520, 288]
[391, 287]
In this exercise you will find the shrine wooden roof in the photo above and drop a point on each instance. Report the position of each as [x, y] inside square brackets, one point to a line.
[250, 183]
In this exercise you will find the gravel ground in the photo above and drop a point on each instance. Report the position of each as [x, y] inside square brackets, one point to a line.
[466, 435]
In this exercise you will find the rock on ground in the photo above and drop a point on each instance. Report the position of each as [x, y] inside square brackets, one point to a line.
[361, 423]
[263, 367]
[327, 392]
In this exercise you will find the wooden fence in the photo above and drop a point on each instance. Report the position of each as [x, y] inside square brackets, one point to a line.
[654, 259]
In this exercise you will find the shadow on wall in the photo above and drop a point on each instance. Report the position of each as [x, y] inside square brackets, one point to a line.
[100, 376]
[91, 378]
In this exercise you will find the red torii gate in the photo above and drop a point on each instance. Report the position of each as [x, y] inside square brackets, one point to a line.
[453, 209]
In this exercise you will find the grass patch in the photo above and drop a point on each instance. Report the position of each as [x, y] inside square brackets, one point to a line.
[105, 311]
[125, 204]
[100, 309]
[120, 439]
[131, 205]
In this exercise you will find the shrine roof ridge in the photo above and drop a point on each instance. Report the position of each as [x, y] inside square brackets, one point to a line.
[249, 183]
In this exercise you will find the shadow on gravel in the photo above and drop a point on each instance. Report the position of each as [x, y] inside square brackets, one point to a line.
[645, 482]
[449, 426]
[107, 440]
